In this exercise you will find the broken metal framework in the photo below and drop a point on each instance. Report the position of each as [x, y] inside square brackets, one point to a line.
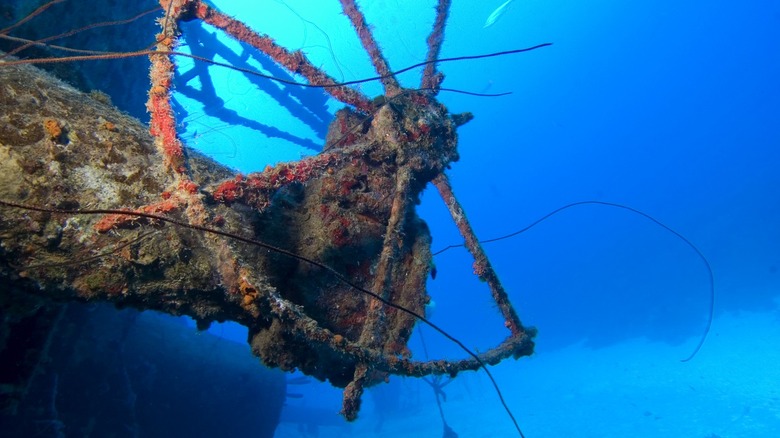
[324, 259]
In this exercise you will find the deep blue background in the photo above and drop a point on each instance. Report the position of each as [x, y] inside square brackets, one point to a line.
[670, 108]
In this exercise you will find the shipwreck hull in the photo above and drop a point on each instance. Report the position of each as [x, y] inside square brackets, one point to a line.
[67, 152]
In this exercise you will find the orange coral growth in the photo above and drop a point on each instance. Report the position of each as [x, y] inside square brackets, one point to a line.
[112, 221]
[108, 126]
[188, 186]
[163, 126]
[229, 190]
[53, 128]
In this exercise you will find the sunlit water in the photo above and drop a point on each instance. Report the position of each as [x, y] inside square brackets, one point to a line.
[669, 108]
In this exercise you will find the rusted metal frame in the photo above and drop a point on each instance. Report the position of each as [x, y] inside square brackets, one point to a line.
[358, 20]
[162, 125]
[516, 345]
[296, 62]
[256, 188]
[373, 329]
[482, 267]
[387, 258]
[431, 78]
[306, 328]
[350, 401]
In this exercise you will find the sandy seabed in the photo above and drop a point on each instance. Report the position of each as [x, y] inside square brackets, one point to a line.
[637, 389]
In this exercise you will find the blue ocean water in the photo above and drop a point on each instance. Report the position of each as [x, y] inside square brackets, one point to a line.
[668, 107]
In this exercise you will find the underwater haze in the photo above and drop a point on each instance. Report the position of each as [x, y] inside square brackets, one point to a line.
[670, 108]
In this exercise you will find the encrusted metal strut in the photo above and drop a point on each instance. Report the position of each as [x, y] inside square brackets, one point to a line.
[324, 259]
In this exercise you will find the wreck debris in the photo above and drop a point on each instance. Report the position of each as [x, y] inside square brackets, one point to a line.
[324, 260]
